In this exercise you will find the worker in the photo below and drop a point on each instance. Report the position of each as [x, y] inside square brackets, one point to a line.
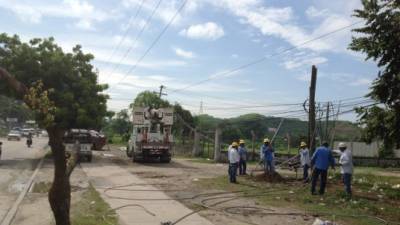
[346, 167]
[1, 148]
[320, 161]
[268, 153]
[233, 157]
[305, 160]
[243, 157]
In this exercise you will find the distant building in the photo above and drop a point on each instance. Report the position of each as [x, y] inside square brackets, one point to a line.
[272, 130]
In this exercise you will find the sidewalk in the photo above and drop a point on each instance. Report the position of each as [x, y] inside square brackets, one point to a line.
[103, 176]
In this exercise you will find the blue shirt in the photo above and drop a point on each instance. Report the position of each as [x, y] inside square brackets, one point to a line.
[242, 153]
[322, 158]
[268, 152]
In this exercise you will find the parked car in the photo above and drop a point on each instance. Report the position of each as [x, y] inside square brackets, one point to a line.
[14, 135]
[98, 140]
[85, 142]
[26, 131]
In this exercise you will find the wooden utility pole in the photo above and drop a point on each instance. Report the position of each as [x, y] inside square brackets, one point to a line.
[288, 142]
[217, 145]
[311, 109]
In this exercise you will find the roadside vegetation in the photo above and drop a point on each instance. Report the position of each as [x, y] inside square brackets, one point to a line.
[374, 196]
[91, 209]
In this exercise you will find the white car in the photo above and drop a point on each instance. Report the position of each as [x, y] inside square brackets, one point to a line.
[14, 135]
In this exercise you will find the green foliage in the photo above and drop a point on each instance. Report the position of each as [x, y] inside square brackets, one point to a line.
[118, 125]
[76, 96]
[241, 127]
[379, 40]
[149, 99]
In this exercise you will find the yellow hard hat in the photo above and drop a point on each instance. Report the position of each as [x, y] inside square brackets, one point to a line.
[234, 144]
[303, 144]
[266, 140]
[242, 141]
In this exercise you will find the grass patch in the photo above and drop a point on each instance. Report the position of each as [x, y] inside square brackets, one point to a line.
[373, 196]
[41, 187]
[92, 210]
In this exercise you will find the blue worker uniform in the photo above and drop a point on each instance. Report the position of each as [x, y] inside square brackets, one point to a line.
[268, 153]
[243, 160]
[321, 160]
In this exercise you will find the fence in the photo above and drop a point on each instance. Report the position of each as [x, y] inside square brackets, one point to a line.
[361, 149]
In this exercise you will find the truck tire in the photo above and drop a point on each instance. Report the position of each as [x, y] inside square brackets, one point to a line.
[128, 153]
[165, 159]
[89, 158]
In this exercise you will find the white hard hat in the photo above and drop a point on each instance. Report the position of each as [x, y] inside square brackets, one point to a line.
[342, 145]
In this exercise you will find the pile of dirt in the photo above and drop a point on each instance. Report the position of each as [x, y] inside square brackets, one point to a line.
[269, 177]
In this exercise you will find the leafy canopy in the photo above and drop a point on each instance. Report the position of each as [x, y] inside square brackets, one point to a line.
[63, 85]
[380, 41]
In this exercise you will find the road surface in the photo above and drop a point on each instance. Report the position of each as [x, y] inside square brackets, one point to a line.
[17, 164]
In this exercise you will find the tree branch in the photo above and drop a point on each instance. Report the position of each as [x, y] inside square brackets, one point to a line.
[13, 83]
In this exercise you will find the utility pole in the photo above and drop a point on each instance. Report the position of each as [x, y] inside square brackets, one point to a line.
[253, 147]
[326, 123]
[161, 93]
[288, 142]
[311, 109]
[217, 144]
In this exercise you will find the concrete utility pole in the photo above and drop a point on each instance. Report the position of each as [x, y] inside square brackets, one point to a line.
[217, 145]
[253, 147]
[311, 109]
[196, 145]
[160, 94]
[326, 123]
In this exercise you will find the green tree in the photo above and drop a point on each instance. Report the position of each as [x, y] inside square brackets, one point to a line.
[181, 128]
[149, 99]
[380, 41]
[61, 89]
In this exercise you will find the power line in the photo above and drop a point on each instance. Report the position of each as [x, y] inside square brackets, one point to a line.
[154, 42]
[137, 37]
[257, 61]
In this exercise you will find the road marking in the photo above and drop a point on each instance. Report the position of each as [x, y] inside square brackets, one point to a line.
[13, 211]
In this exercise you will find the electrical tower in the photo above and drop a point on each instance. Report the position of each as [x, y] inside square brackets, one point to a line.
[201, 110]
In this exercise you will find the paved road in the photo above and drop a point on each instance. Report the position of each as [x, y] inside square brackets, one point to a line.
[17, 164]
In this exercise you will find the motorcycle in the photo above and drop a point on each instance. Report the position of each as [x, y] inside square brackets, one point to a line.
[29, 142]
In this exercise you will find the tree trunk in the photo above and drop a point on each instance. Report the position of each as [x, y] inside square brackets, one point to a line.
[60, 191]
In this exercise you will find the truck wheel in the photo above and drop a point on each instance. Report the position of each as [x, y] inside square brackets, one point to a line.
[165, 159]
[89, 158]
[128, 153]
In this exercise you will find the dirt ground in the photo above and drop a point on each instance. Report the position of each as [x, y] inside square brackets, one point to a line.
[179, 180]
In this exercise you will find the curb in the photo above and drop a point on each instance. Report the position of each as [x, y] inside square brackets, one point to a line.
[8, 219]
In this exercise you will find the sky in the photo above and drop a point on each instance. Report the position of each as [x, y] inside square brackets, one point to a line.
[193, 48]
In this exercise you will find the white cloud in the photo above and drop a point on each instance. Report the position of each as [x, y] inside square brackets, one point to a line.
[361, 82]
[33, 12]
[182, 53]
[302, 59]
[313, 12]
[279, 22]
[84, 25]
[235, 56]
[206, 31]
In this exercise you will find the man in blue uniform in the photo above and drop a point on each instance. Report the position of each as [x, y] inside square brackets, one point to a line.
[321, 160]
[268, 153]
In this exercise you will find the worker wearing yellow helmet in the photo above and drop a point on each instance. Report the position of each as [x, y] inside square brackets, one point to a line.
[233, 157]
[305, 160]
[268, 153]
[243, 157]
